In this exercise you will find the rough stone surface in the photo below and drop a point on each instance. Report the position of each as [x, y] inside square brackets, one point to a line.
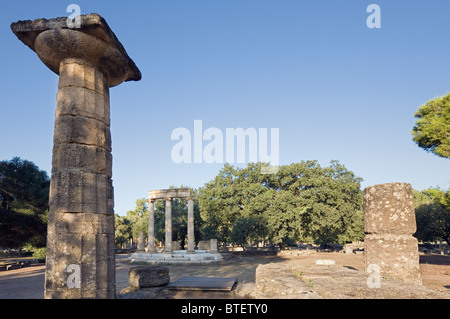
[146, 277]
[209, 245]
[170, 193]
[204, 245]
[276, 280]
[389, 223]
[176, 257]
[389, 209]
[93, 41]
[397, 255]
[339, 282]
[89, 60]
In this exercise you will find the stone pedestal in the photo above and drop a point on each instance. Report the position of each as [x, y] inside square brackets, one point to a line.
[80, 260]
[389, 223]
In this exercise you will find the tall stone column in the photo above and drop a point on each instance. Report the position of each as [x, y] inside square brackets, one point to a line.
[389, 223]
[151, 226]
[168, 243]
[190, 231]
[80, 261]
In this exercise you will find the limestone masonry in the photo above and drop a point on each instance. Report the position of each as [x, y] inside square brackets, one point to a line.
[89, 60]
[389, 223]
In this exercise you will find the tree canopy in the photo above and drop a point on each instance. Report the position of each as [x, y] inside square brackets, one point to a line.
[301, 202]
[432, 215]
[24, 191]
[432, 129]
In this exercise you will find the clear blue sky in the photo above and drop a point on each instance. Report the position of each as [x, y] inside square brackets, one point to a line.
[335, 88]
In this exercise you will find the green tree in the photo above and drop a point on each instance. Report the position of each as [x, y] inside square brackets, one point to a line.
[301, 202]
[123, 231]
[24, 191]
[432, 215]
[432, 129]
[242, 230]
[326, 202]
[220, 202]
[138, 218]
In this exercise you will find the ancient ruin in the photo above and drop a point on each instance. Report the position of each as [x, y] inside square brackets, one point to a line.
[167, 195]
[389, 223]
[207, 251]
[89, 60]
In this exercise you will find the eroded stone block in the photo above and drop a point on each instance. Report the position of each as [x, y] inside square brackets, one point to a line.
[145, 277]
[396, 255]
[389, 209]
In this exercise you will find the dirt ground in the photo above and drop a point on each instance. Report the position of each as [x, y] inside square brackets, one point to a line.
[434, 269]
[28, 282]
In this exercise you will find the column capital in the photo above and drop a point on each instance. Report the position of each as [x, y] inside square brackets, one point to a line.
[94, 41]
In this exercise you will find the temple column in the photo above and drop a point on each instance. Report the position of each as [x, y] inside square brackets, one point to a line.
[80, 261]
[168, 243]
[190, 232]
[151, 226]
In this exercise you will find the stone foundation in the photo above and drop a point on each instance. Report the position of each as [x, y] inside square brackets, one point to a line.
[176, 257]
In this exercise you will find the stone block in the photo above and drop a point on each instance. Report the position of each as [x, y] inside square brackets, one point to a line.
[77, 101]
[78, 191]
[213, 246]
[175, 245]
[82, 130]
[325, 262]
[204, 245]
[85, 223]
[75, 73]
[145, 277]
[389, 209]
[396, 255]
[169, 193]
[80, 156]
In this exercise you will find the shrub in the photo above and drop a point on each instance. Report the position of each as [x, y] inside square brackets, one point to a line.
[39, 253]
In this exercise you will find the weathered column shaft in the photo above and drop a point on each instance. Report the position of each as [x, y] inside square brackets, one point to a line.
[168, 242]
[190, 231]
[151, 226]
[389, 223]
[89, 59]
[81, 217]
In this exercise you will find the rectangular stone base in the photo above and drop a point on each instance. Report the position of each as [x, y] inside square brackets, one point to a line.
[177, 257]
[396, 255]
